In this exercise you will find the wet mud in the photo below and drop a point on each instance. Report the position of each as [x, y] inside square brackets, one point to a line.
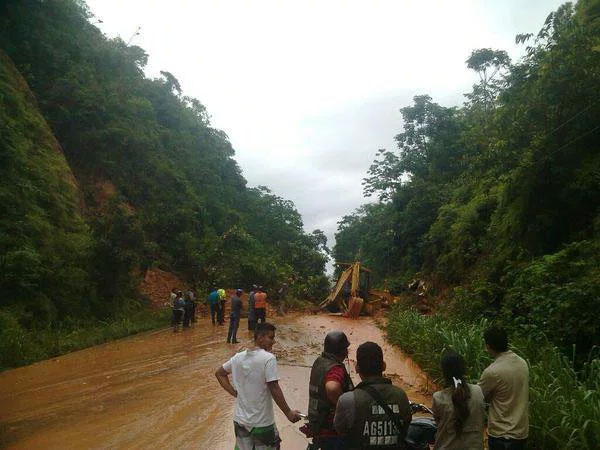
[157, 389]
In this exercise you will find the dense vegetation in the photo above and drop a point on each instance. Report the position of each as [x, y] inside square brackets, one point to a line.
[128, 175]
[564, 409]
[497, 203]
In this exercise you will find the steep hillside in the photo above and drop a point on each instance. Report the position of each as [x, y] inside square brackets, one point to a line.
[45, 246]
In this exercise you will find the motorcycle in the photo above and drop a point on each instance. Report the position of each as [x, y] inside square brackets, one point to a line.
[421, 431]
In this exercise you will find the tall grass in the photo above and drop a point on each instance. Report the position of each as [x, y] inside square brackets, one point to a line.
[19, 346]
[564, 409]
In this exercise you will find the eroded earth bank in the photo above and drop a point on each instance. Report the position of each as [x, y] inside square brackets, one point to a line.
[157, 390]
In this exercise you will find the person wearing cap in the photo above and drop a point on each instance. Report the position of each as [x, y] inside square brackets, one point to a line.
[234, 317]
[328, 380]
[260, 305]
[376, 414]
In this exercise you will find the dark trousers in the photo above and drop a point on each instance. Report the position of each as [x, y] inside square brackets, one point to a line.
[221, 313]
[194, 313]
[214, 312]
[187, 317]
[234, 323]
[495, 443]
[176, 319]
[251, 323]
[261, 314]
[330, 443]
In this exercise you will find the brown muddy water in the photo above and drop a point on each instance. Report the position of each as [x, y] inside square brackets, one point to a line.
[157, 389]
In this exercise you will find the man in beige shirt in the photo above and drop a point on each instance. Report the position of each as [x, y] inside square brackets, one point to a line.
[505, 386]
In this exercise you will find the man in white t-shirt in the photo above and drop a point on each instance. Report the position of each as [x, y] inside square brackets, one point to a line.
[254, 383]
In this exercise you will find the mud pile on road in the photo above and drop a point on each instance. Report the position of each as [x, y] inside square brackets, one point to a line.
[157, 285]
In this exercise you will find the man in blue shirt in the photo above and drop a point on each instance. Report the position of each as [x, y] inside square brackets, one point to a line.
[213, 301]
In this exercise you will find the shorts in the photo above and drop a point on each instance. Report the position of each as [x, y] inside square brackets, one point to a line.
[259, 438]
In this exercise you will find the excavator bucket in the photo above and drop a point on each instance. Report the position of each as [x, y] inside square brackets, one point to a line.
[352, 276]
[354, 308]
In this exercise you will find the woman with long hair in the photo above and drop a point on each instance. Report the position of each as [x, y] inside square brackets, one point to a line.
[459, 409]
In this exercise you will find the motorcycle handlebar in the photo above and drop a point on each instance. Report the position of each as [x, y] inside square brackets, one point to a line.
[416, 407]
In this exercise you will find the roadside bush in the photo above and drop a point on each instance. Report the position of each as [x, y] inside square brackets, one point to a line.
[12, 340]
[19, 347]
[481, 298]
[558, 294]
[314, 289]
[564, 407]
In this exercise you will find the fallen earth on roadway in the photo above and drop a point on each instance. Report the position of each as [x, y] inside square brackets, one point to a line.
[157, 389]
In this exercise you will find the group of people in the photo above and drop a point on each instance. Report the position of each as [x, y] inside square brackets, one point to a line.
[183, 307]
[257, 309]
[375, 414]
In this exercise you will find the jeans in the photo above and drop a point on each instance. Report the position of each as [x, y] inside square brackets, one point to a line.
[495, 443]
[234, 323]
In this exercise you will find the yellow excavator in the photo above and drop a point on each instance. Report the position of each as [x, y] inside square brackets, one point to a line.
[346, 296]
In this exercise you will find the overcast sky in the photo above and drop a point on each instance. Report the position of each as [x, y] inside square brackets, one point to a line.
[308, 91]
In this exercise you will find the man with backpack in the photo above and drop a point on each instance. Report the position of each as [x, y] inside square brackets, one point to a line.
[376, 414]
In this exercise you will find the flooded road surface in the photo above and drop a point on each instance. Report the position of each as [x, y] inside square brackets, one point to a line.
[157, 389]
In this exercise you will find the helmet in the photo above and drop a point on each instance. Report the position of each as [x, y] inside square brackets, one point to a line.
[336, 342]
